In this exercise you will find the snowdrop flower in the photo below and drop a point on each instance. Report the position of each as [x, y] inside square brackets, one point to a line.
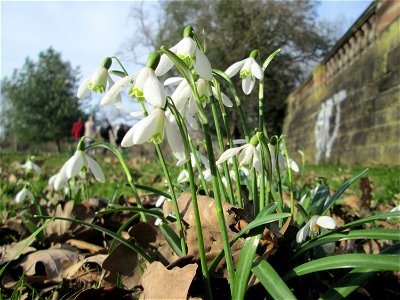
[249, 70]
[314, 224]
[74, 165]
[225, 100]
[183, 176]
[188, 51]
[30, 166]
[96, 82]
[248, 155]
[152, 128]
[113, 95]
[281, 160]
[23, 194]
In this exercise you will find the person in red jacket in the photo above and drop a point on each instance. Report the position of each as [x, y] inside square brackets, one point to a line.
[78, 129]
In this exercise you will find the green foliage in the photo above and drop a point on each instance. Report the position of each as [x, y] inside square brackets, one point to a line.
[233, 27]
[40, 103]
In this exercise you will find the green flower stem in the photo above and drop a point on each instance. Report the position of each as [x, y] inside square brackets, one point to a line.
[218, 204]
[203, 259]
[289, 171]
[125, 167]
[199, 232]
[198, 165]
[222, 149]
[171, 188]
[262, 175]
[261, 105]
[278, 171]
[235, 164]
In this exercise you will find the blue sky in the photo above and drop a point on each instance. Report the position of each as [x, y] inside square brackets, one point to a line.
[86, 31]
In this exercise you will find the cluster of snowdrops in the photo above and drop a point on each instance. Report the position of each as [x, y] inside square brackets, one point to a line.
[257, 163]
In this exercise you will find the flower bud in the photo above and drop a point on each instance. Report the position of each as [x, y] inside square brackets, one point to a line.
[153, 60]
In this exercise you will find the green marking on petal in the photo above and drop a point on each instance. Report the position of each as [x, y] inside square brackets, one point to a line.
[244, 74]
[157, 138]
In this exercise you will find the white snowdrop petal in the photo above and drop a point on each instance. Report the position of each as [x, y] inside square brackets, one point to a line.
[115, 90]
[74, 164]
[326, 222]
[294, 166]
[96, 169]
[173, 80]
[175, 140]
[202, 65]
[83, 90]
[248, 85]
[228, 154]
[233, 69]
[257, 71]
[302, 234]
[20, 197]
[153, 91]
[164, 65]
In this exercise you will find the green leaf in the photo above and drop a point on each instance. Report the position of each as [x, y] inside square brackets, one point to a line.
[269, 59]
[153, 190]
[172, 238]
[271, 280]
[376, 234]
[340, 191]
[388, 262]
[262, 218]
[27, 242]
[355, 279]
[152, 212]
[135, 248]
[244, 266]
[318, 201]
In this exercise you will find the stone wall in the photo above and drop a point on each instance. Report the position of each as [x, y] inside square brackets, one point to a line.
[348, 110]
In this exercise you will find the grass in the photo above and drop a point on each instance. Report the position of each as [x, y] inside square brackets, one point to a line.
[385, 181]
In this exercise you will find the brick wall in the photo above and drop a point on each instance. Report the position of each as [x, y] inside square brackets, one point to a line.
[348, 110]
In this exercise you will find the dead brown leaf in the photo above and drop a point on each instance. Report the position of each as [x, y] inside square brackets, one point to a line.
[54, 260]
[82, 245]
[59, 227]
[160, 283]
[123, 262]
[7, 252]
[71, 271]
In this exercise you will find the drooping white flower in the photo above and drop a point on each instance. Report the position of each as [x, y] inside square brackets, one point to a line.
[96, 82]
[152, 128]
[188, 51]
[30, 166]
[314, 224]
[249, 70]
[225, 100]
[281, 160]
[113, 94]
[147, 86]
[23, 194]
[183, 176]
[248, 156]
[74, 165]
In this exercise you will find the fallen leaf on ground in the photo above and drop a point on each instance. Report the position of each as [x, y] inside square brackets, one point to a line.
[71, 271]
[160, 283]
[82, 245]
[54, 260]
[7, 252]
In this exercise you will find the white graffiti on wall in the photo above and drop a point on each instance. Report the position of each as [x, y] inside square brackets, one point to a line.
[324, 134]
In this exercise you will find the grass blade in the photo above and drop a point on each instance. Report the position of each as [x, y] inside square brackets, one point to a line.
[172, 238]
[244, 266]
[135, 248]
[388, 262]
[27, 242]
[152, 212]
[376, 234]
[153, 190]
[355, 279]
[271, 280]
[340, 191]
